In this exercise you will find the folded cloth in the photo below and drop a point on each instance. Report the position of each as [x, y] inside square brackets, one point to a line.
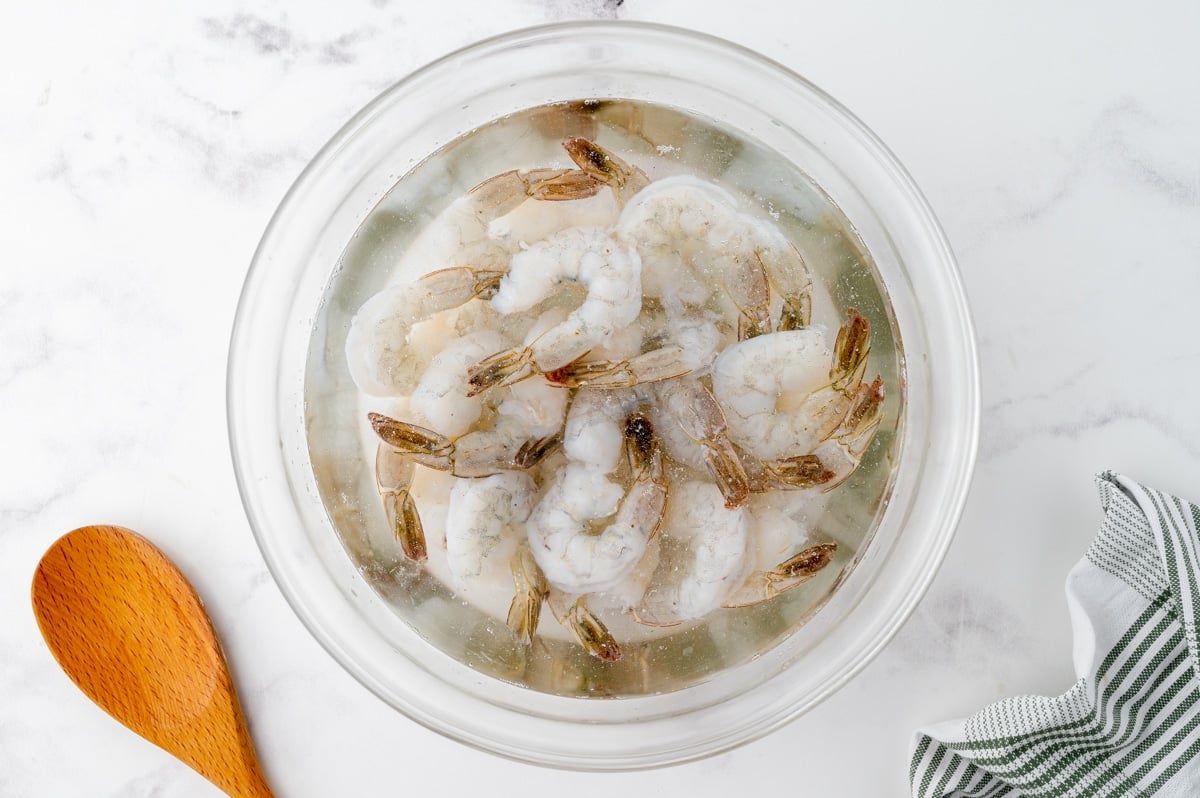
[1131, 725]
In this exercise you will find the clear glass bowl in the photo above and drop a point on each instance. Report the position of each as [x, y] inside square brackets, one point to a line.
[284, 301]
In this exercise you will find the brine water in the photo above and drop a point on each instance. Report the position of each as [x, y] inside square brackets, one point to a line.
[392, 245]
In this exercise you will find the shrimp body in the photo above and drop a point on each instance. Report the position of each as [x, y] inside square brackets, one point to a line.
[715, 557]
[440, 397]
[575, 557]
[378, 354]
[485, 521]
[709, 558]
[764, 383]
[692, 233]
[611, 274]
[691, 340]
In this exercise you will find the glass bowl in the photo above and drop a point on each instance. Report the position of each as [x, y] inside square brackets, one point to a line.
[284, 308]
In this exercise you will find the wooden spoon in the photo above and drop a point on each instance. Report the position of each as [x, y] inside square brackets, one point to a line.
[130, 631]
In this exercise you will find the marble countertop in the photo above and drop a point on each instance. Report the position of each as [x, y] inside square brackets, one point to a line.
[146, 145]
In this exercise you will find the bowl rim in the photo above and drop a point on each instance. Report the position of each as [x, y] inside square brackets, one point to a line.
[961, 475]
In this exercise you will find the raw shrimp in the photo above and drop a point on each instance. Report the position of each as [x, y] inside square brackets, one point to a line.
[393, 477]
[377, 351]
[476, 454]
[707, 559]
[712, 563]
[691, 233]
[573, 558]
[440, 398]
[834, 459]
[700, 417]
[781, 397]
[611, 274]
[691, 340]
[485, 519]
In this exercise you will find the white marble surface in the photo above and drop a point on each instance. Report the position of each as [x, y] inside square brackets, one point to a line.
[146, 144]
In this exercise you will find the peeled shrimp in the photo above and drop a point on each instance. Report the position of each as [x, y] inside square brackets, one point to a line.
[611, 274]
[699, 415]
[690, 342]
[440, 397]
[805, 417]
[714, 559]
[377, 350]
[709, 558]
[691, 233]
[485, 520]
[573, 558]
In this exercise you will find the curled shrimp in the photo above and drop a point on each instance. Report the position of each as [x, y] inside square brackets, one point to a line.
[708, 558]
[611, 274]
[573, 557]
[485, 519]
[377, 346]
[690, 340]
[699, 415]
[691, 233]
[806, 419]
[712, 562]
[440, 397]
[377, 350]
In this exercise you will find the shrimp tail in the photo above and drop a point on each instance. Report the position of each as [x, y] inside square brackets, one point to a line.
[796, 313]
[534, 451]
[726, 467]
[530, 590]
[419, 444]
[405, 524]
[805, 471]
[502, 368]
[591, 633]
[791, 573]
[393, 476]
[605, 167]
[654, 366]
[572, 612]
[502, 193]
[843, 451]
[850, 352]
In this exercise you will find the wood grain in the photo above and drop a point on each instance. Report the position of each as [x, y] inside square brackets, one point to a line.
[130, 631]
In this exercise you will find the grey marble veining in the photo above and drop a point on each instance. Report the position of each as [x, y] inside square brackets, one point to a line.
[147, 145]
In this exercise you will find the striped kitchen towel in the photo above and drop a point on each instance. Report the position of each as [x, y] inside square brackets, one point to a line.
[1130, 726]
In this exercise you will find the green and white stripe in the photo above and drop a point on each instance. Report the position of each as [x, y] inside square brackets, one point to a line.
[1130, 726]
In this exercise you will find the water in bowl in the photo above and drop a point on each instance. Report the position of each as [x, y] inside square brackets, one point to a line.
[663, 141]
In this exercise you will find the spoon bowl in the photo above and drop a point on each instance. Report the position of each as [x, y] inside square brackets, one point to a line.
[128, 628]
